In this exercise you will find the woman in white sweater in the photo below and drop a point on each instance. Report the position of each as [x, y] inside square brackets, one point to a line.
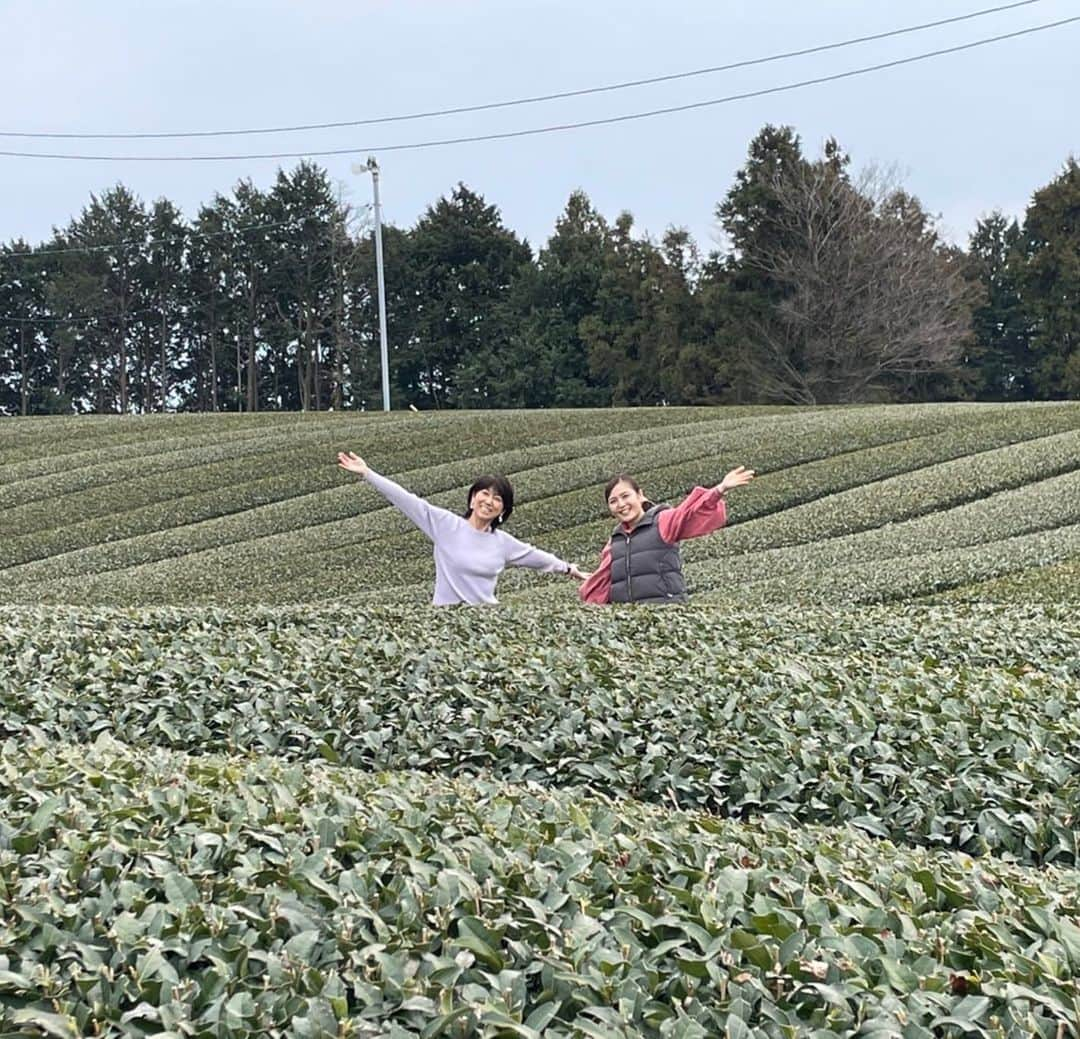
[470, 551]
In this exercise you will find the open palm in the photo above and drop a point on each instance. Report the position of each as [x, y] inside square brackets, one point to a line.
[738, 477]
[351, 462]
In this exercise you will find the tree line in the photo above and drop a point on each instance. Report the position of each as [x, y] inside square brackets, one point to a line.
[831, 287]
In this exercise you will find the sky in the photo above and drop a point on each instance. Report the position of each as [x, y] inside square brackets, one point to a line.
[966, 132]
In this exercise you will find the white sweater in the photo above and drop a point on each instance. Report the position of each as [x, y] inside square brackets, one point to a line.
[467, 561]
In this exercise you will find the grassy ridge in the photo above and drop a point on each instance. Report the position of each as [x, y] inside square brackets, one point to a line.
[977, 756]
[163, 894]
[221, 508]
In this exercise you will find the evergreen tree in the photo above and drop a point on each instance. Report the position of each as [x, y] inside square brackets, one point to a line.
[203, 370]
[167, 295]
[346, 288]
[679, 321]
[1050, 283]
[645, 335]
[98, 295]
[738, 297]
[252, 258]
[717, 364]
[25, 377]
[464, 267]
[1001, 351]
[621, 350]
[304, 209]
[560, 293]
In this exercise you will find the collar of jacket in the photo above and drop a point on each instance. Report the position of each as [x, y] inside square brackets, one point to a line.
[648, 518]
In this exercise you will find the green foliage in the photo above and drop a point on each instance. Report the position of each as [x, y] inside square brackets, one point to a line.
[845, 546]
[464, 265]
[748, 722]
[267, 301]
[999, 322]
[561, 293]
[24, 360]
[1056, 582]
[250, 881]
[773, 813]
[1026, 328]
[1050, 279]
[197, 494]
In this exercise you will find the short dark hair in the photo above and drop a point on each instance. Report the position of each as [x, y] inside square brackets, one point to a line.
[502, 487]
[624, 478]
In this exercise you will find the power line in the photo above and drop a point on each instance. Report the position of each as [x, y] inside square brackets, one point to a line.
[748, 63]
[140, 243]
[153, 311]
[83, 319]
[559, 127]
[33, 254]
[186, 305]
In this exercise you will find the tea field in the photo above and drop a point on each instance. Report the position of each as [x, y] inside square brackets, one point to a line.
[251, 784]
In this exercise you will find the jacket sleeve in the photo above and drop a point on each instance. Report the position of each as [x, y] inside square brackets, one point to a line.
[520, 553]
[701, 512]
[597, 589]
[426, 517]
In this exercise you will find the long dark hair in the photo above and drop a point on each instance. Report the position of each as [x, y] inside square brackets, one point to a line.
[502, 487]
[624, 478]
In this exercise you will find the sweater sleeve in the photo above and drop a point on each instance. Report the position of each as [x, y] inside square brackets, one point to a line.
[701, 512]
[597, 588]
[520, 553]
[424, 516]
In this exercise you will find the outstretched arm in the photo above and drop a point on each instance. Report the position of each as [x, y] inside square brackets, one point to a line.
[521, 553]
[418, 511]
[702, 511]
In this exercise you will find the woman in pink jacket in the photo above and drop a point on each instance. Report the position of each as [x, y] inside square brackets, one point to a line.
[641, 562]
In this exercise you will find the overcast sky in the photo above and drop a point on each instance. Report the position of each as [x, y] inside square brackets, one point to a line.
[969, 132]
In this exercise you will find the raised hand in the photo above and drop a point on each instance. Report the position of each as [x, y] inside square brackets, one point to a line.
[738, 477]
[353, 463]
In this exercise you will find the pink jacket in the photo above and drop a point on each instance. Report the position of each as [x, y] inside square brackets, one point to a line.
[701, 512]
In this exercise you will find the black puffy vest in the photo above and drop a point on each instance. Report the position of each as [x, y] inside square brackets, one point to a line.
[644, 567]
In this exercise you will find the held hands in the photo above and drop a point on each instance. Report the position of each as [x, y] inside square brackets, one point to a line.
[352, 463]
[577, 573]
[738, 477]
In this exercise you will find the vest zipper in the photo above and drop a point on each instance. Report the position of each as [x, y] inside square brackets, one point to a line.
[629, 583]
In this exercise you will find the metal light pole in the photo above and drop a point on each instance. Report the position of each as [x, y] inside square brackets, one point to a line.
[372, 167]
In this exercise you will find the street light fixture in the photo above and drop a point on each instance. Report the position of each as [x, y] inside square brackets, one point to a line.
[372, 167]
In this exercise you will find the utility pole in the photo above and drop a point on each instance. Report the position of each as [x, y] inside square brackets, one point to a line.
[372, 167]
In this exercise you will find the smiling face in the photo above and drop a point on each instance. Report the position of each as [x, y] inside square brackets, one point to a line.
[487, 504]
[626, 502]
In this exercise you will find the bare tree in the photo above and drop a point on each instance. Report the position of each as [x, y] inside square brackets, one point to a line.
[866, 294]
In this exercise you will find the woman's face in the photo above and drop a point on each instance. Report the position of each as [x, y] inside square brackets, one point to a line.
[487, 504]
[626, 504]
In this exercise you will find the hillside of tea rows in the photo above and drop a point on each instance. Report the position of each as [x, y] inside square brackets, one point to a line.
[252, 784]
[858, 505]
